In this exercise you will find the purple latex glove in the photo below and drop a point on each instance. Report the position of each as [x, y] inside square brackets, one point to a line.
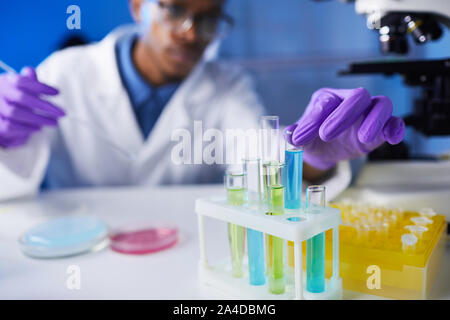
[22, 110]
[344, 124]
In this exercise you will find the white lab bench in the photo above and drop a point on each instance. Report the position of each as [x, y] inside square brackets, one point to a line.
[171, 274]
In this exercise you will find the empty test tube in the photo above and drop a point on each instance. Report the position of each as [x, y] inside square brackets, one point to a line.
[409, 242]
[270, 139]
[255, 239]
[315, 246]
[252, 169]
[236, 186]
[273, 177]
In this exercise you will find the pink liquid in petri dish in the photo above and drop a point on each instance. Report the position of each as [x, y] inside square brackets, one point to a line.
[144, 240]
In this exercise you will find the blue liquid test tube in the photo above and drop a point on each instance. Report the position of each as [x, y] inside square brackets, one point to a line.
[294, 170]
[255, 239]
[315, 246]
[293, 192]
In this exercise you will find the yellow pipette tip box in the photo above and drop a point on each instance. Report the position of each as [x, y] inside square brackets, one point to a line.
[374, 259]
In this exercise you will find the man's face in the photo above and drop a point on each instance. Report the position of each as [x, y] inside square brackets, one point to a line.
[177, 51]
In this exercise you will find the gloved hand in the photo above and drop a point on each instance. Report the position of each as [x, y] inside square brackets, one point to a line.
[344, 124]
[22, 110]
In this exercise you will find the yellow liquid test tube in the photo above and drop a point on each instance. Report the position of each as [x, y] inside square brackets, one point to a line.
[273, 171]
[275, 246]
[236, 186]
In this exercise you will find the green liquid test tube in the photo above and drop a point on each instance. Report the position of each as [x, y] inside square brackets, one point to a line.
[275, 246]
[236, 186]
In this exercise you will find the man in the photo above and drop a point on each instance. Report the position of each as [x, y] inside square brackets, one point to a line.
[138, 86]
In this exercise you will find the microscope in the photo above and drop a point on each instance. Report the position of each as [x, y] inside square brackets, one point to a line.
[395, 21]
[421, 181]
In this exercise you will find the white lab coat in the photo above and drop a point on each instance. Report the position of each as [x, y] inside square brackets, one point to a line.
[218, 94]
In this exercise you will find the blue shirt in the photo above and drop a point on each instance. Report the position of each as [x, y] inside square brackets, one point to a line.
[147, 101]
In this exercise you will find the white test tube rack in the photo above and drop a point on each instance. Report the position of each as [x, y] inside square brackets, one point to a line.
[283, 226]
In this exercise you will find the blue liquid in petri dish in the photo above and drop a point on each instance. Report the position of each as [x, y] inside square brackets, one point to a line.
[64, 236]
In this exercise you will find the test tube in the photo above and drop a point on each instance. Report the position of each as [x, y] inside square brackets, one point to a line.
[270, 146]
[275, 246]
[252, 168]
[270, 139]
[292, 196]
[294, 173]
[315, 246]
[255, 239]
[236, 186]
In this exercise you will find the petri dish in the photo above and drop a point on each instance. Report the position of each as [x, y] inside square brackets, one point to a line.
[143, 238]
[65, 236]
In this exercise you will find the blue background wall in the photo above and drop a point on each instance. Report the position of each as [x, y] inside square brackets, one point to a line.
[292, 47]
[31, 30]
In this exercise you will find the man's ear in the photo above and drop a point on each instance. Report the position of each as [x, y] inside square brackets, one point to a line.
[135, 9]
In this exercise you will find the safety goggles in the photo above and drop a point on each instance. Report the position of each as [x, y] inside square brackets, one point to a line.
[179, 19]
